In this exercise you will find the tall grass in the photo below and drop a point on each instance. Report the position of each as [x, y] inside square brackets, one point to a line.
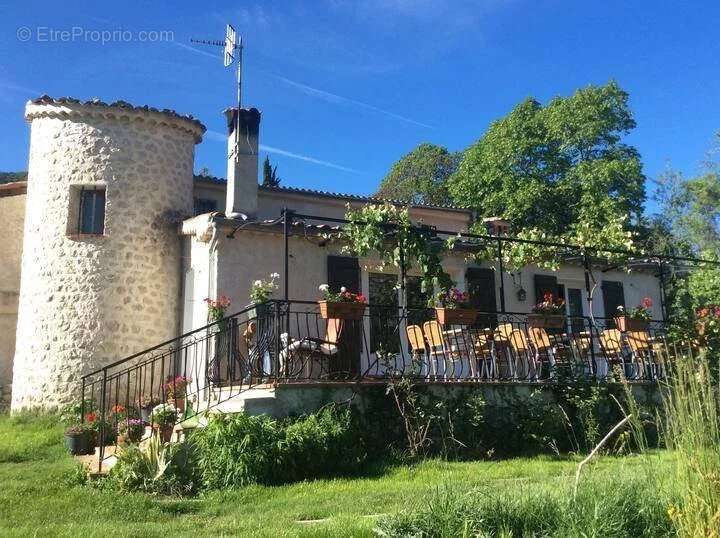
[693, 432]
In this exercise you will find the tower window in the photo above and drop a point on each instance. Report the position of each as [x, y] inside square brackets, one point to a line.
[87, 210]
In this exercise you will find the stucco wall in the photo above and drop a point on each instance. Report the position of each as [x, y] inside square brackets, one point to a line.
[12, 215]
[86, 301]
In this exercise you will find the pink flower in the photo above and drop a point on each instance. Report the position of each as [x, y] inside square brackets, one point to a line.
[647, 302]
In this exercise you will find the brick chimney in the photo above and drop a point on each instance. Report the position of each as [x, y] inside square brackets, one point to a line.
[497, 226]
[242, 170]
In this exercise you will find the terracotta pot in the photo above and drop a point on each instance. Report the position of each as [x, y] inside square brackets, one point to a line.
[551, 321]
[456, 316]
[336, 310]
[179, 404]
[165, 431]
[625, 324]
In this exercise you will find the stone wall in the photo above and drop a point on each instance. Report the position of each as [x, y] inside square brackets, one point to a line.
[85, 300]
[12, 215]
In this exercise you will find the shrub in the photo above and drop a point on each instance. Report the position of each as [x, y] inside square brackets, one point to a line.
[156, 468]
[237, 450]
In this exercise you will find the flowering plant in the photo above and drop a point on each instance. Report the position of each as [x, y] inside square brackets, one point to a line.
[148, 401]
[344, 296]
[133, 428]
[709, 320]
[217, 308]
[640, 312]
[262, 290]
[550, 306]
[175, 386]
[164, 414]
[451, 298]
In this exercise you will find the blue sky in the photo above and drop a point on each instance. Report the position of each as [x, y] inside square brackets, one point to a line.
[347, 87]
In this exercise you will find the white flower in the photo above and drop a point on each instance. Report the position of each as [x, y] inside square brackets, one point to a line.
[275, 275]
[323, 287]
[343, 289]
[257, 283]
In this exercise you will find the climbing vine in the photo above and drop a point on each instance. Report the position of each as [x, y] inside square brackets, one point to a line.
[387, 230]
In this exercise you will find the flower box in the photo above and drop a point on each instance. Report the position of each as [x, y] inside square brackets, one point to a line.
[625, 324]
[341, 310]
[549, 321]
[456, 316]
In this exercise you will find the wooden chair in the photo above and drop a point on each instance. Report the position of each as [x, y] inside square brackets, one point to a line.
[309, 351]
[504, 360]
[523, 355]
[612, 349]
[544, 348]
[484, 350]
[417, 345]
[642, 352]
[579, 344]
[441, 349]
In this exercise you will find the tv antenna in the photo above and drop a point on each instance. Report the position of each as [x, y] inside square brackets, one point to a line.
[232, 51]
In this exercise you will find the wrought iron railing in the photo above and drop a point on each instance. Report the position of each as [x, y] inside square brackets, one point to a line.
[290, 342]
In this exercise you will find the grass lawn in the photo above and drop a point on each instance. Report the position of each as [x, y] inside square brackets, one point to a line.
[35, 500]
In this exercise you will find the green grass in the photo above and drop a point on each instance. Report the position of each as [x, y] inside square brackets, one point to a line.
[36, 500]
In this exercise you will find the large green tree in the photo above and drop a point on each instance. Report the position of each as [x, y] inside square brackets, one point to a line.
[558, 168]
[421, 176]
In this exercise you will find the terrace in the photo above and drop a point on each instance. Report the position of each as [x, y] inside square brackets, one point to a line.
[299, 344]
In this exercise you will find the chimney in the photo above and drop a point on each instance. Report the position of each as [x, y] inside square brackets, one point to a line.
[242, 170]
[497, 225]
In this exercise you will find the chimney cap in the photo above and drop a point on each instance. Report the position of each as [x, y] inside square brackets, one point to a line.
[249, 117]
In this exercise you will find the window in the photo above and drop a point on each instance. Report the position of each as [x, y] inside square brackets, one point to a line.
[205, 205]
[87, 210]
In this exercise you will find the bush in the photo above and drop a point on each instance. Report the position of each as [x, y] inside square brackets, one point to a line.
[237, 450]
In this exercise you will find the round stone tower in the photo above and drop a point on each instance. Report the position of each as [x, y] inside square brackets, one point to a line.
[101, 264]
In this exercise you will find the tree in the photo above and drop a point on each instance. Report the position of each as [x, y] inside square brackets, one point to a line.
[10, 177]
[204, 171]
[421, 176]
[270, 177]
[559, 168]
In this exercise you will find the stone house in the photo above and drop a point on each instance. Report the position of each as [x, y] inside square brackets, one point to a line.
[113, 244]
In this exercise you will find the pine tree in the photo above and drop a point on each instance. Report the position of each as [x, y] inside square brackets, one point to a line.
[270, 177]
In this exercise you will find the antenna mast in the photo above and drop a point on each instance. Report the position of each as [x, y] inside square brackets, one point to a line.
[230, 46]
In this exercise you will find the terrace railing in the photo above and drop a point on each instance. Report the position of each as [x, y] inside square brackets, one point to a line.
[290, 342]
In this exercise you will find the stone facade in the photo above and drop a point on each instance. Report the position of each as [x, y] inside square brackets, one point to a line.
[87, 300]
[12, 210]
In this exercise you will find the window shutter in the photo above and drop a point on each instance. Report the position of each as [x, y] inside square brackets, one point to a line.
[545, 284]
[343, 271]
[613, 296]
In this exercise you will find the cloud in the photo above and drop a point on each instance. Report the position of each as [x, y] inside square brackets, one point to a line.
[216, 56]
[338, 99]
[220, 137]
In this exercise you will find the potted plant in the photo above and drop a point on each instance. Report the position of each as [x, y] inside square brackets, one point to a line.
[130, 430]
[175, 387]
[452, 307]
[634, 319]
[342, 305]
[76, 439]
[548, 313]
[146, 404]
[164, 417]
[260, 293]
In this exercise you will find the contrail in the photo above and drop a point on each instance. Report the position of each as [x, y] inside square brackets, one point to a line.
[334, 98]
[220, 137]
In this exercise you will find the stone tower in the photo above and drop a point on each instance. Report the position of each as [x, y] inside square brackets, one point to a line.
[101, 264]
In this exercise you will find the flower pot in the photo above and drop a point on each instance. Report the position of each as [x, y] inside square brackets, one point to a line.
[261, 310]
[456, 316]
[179, 404]
[165, 431]
[339, 310]
[77, 443]
[625, 324]
[92, 441]
[550, 321]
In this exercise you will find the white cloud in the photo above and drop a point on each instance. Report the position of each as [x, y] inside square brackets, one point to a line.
[338, 99]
